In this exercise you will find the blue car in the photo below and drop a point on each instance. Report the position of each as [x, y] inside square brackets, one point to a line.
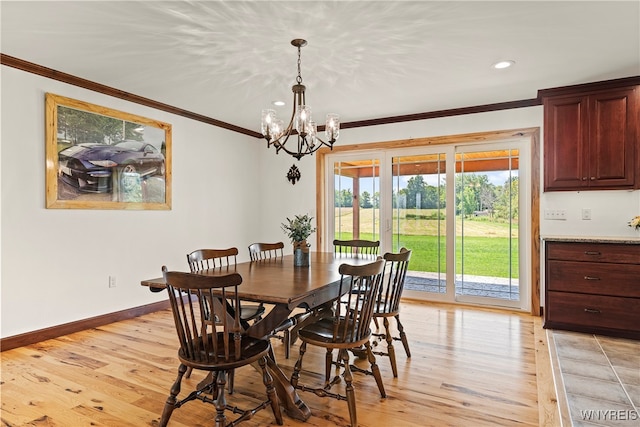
[90, 167]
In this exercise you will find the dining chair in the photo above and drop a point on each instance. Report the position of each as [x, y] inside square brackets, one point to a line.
[267, 252]
[356, 248]
[224, 260]
[208, 259]
[348, 328]
[388, 304]
[216, 347]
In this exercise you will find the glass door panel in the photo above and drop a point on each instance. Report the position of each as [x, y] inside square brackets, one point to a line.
[487, 228]
[357, 199]
[418, 220]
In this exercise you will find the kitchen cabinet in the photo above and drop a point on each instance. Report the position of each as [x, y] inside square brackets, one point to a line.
[591, 137]
[593, 287]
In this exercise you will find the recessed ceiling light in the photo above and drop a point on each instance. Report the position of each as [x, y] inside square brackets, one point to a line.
[503, 64]
[278, 103]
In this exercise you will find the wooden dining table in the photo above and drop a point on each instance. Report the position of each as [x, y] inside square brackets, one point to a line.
[278, 282]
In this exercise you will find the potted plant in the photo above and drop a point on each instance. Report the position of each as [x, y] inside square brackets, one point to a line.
[298, 230]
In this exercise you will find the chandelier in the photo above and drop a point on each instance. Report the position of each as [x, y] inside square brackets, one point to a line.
[301, 122]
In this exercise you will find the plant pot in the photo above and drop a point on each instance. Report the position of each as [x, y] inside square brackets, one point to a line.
[301, 254]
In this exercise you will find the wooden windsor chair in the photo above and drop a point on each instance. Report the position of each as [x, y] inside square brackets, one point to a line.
[221, 259]
[216, 347]
[266, 251]
[348, 328]
[388, 305]
[356, 248]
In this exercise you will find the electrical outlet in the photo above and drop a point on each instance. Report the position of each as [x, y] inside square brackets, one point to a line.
[555, 214]
[586, 213]
[112, 281]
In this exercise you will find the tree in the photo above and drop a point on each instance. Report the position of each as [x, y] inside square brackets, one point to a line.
[365, 200]
[416, 192]
[506, 205]
[82, 126]
[344, 198]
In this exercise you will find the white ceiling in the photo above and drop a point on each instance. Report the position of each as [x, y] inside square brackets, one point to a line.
[364, 59]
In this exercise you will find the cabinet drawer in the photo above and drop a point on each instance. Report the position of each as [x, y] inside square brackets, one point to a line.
[593, 311]
[594, 278]
[598, 252]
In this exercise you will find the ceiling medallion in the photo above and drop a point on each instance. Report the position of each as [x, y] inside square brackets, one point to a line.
[293, 175]
[300, 124]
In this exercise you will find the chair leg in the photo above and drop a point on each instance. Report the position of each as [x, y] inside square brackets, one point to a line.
[328, 364]
[189, 370]
[375, 369]
[391, 351]
[231, 378]
[287, 343]
[295, 376]
[267, 379]
[170, 404]
[220, 402]
[403, 336]
[349, 390]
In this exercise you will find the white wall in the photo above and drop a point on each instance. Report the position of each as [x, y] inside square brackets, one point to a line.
[56, 262]
[228, 190]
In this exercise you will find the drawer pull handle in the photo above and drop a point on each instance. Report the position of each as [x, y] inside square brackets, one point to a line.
[591, 278]
[591, 310]
[592, 253]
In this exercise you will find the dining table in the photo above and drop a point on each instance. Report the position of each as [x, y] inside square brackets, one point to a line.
[276, 281]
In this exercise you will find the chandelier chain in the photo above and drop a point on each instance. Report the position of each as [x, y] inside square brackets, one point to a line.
[299, 78]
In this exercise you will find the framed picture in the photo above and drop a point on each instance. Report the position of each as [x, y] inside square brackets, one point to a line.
[99, 158]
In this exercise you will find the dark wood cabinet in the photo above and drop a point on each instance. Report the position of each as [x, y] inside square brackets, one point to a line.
[593, 287]
[591, 137]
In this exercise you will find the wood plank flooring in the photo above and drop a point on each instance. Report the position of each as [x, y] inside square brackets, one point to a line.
[469, 367]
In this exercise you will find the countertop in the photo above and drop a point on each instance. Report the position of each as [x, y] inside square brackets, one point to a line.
[592, 239]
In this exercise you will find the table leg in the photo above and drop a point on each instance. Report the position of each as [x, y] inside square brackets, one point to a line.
[293, 405]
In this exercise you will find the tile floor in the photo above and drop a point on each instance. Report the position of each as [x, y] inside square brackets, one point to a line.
[597, 378]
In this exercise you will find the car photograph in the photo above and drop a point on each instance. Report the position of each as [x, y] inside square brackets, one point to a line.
[90, 167]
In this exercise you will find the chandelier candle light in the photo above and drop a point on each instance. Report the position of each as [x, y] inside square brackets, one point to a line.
[301, 122]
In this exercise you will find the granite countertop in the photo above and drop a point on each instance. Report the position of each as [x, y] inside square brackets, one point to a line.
[592, 239]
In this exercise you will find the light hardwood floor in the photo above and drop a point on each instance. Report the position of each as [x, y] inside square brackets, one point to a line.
[469, 367]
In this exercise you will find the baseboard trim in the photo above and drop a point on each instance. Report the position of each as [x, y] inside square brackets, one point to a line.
[33, 337]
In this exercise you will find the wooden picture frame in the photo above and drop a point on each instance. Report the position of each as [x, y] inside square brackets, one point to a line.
[100, 158]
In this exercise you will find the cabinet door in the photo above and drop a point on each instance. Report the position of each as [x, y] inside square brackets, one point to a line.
[565, 143]
[612, 142]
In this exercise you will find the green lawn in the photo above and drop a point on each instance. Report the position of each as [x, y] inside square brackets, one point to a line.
[486, 244]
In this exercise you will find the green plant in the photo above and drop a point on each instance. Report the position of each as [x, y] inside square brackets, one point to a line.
[298, 228]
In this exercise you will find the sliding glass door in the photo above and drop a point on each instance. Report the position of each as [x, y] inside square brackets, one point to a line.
[458, 208]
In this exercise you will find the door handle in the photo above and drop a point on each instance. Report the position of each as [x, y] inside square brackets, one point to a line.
[591, 310]
[591, 278]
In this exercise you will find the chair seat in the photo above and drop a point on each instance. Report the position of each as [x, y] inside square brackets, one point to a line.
[252, 349]
[321, 332]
